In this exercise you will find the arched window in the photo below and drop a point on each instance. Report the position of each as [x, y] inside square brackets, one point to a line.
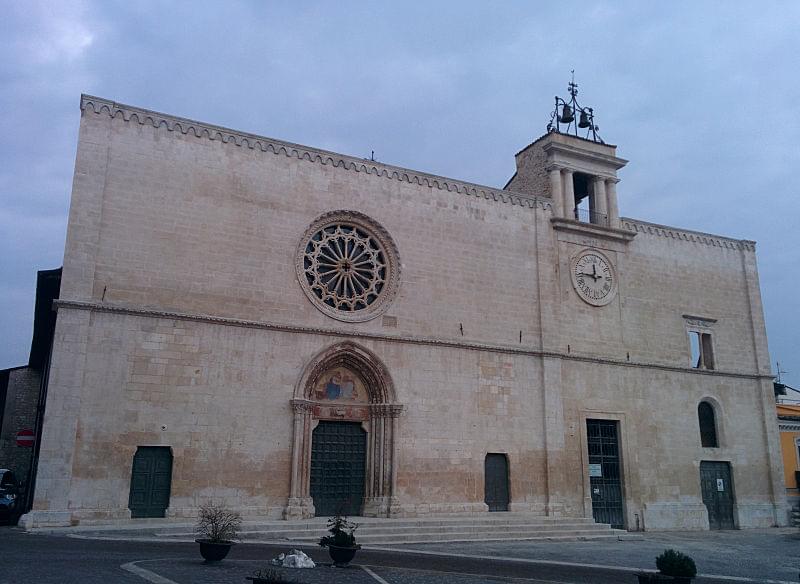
[708, 425]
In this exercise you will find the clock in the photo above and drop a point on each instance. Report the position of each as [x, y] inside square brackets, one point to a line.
[594, 278]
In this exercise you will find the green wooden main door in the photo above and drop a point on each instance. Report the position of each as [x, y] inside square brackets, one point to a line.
[338, 457]
[150, 481]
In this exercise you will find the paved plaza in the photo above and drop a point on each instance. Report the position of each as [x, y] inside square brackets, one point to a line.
[765, 556]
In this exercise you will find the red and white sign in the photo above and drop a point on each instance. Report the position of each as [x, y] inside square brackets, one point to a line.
[25, 438]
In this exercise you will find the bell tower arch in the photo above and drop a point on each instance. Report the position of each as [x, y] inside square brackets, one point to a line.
[346, 383]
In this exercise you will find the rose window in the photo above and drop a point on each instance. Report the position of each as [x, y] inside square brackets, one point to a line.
[345, 267]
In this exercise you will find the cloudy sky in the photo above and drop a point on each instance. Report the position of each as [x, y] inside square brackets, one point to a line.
[701, 97]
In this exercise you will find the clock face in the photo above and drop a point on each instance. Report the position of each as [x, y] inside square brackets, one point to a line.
[594, 278]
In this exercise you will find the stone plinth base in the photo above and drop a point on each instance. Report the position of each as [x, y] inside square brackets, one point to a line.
[299, 508]
[36, 519]
[678, 516]
[759, 515]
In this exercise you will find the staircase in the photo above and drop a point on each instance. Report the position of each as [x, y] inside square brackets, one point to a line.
[374, 531]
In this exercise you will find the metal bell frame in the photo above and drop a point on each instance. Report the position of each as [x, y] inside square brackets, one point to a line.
[565, 113]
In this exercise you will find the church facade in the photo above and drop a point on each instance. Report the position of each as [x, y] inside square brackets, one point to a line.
[296, 332]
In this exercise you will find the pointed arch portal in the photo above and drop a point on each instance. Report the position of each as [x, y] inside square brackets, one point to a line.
[346, 383]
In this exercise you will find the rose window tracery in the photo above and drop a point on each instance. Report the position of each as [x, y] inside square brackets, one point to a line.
[347, 267]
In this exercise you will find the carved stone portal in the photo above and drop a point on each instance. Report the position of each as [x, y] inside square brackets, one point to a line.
[347, 383]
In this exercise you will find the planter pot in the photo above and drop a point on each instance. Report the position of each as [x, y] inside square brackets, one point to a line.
[341, 556]
[214, 551]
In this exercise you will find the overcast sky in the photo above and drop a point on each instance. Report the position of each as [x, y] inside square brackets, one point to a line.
[701, 97]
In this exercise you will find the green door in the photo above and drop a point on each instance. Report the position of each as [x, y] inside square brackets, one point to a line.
[716, 487]
[151, 479]
[495, 472]
[338, 456]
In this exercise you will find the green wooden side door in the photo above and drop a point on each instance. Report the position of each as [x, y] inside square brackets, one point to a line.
[495, 470]
[716, 486]
[150, 481]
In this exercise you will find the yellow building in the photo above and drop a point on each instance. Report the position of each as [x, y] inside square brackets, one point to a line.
[789, 425]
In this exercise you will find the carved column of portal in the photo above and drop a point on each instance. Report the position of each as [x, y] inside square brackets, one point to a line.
[394, 502]
[379, 499]
[300, 504]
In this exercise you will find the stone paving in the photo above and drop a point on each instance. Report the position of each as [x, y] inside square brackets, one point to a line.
[754, 557]
[233, 571]
[759, 554]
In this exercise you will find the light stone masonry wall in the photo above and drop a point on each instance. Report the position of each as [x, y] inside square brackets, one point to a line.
[182, 324]
[531, 176]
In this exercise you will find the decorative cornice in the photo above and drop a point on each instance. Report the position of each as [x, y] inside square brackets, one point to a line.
[788, 426]
[701, 321]
[434, 342]
[583, 154]
[185, 126]
[570, 136]
[686, 235]
[591, 229]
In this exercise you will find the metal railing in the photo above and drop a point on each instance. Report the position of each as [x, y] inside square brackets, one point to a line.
[593, 217]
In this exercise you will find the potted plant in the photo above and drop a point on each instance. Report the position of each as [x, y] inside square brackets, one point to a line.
[217, 527]
[674, 567]
[268, 576]
[341, 542]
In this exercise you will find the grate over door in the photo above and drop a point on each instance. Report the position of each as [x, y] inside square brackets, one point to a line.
[151, 479]
[604, 472]
[717, 489]
[338, 456]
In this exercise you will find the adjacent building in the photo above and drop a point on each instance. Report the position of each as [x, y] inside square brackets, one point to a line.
[789, 426]
[23, 390]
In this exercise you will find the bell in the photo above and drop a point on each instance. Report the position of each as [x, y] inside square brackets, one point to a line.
[566, 115]
[584, 121]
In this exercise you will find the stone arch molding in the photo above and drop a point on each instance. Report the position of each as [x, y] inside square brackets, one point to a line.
[377, 411]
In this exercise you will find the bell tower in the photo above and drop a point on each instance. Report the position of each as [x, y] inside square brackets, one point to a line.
[573, 166]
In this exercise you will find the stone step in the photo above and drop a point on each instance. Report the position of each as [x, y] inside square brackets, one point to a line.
[319, 525]
[387, 532]
[428, 529]
[285, 529]
[390, 530]
[456, 536]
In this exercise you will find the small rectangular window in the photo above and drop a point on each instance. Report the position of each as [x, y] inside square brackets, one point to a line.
[702, 350]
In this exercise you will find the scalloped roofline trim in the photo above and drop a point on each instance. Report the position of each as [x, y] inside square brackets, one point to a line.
[99, 105]
[687, 235]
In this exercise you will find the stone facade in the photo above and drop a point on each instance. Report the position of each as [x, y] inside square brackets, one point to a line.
[184, 323]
